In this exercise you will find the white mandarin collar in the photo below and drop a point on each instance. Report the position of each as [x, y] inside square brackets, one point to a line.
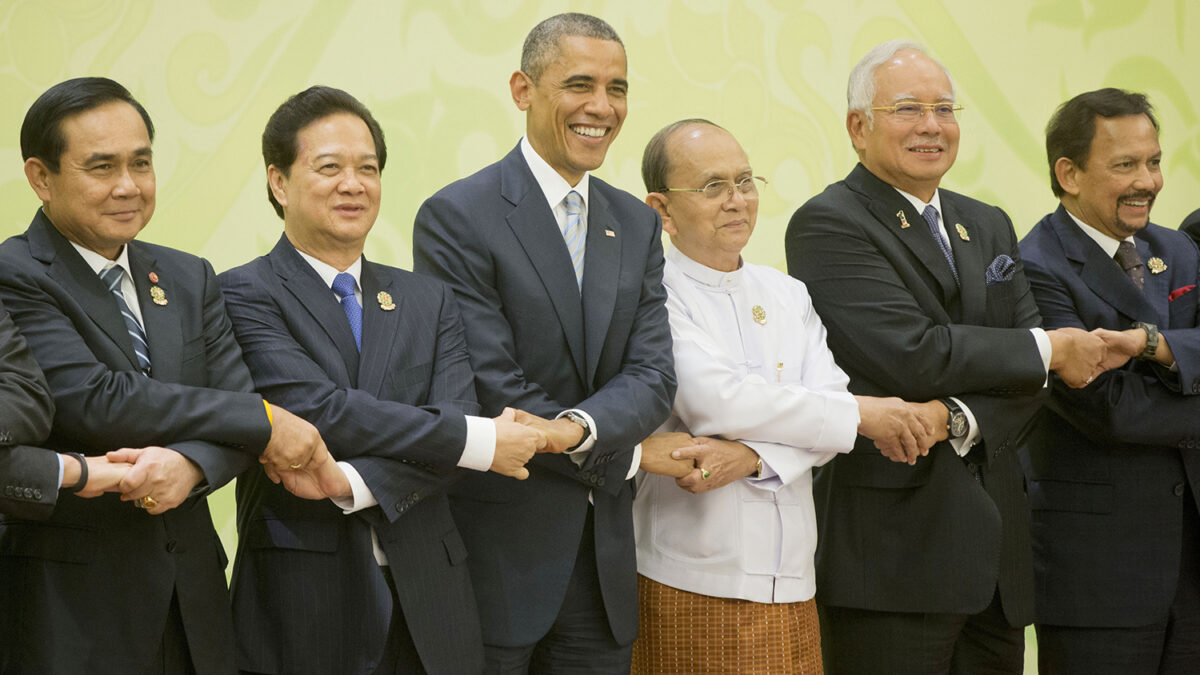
[703, 274]
[1107, 243]
[554, 186]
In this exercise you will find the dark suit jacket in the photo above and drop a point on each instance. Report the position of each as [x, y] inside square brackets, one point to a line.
[929, 537]
[308, 595]
[88, 590]
[1108, 466]
[1191, 226]
[536, 344]
[28, 476]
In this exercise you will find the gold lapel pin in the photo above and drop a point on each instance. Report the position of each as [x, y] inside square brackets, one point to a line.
[158, 295]
[903, 221]
[385, 301]
[759, 314]
[962, 232]
[1156, 265]
[153, 278]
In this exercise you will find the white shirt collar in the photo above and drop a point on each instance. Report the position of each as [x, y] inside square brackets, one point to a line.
[328, 272]
[703, 274]
[1107, 243]
[98, 262]
[920, 205]
[554, 186]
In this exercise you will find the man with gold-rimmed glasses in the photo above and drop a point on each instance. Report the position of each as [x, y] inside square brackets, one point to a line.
[925, 567]
[724, 520]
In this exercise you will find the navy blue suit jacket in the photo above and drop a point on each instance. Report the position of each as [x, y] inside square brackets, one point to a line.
[308, 594]
[923, 538]
[28, 475]
[88, 590]
[538, 344]
[1108, 464]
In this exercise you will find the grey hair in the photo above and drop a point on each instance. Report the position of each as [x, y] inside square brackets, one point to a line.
[541, 45]
[860, 91]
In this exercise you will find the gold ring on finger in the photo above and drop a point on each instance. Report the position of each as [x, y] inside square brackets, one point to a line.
[148, 502]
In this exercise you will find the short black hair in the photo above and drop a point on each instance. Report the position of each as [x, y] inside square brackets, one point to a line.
[41, 132]
[1072, 127]
[541, 45]
[656, 161]
[301, 110]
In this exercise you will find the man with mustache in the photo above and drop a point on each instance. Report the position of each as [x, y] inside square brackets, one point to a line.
[923, 296]
[1113, 469]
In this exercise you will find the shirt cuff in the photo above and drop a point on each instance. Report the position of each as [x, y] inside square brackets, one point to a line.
[963, 445]
[61, 468]
[637, 461]
[480, 449]
[360, 495]
[1044, 349]
[592, 437]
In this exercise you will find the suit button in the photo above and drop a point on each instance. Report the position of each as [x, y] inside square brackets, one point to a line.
[8, 491]
[37, 494]
[171, 546]
[1179, 490]
[1196, 387]
[28, 493]
[400, 507]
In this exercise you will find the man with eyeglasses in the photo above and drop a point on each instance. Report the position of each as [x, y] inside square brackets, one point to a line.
[725, 520]
[925, 568]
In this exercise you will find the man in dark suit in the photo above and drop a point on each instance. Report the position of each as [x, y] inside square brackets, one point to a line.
[925, 568]
[559, 277]
[148, 369]
[1191, 226]
[1113, 469]
[375, 357]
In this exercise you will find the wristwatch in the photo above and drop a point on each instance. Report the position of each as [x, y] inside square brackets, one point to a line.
[956, 424]
[1151, 340]
[581, 421]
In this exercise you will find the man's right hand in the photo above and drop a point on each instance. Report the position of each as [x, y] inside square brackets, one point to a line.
[1076, 355]
[656, 454]
[515, 445]
[902, 431]
[293, 442]
[322, 478]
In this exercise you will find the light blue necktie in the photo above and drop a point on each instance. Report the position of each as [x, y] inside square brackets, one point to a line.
[111, 277]
[931, 217]
[575, 234]
[343, 285]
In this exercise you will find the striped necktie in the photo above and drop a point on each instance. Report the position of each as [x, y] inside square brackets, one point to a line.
[575, 234]
[111, 276]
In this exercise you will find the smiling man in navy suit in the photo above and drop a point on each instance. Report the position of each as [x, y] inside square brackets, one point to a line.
[374, 580]
[1114, 469]
[559, 276]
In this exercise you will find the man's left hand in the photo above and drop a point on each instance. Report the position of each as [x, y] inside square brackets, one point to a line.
[723, 461]
[162, 474]
[561, 434]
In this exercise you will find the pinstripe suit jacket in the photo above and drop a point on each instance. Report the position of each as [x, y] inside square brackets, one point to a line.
[308, 594]
[28, 476]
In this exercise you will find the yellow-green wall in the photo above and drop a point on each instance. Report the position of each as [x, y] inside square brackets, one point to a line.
[435, 73]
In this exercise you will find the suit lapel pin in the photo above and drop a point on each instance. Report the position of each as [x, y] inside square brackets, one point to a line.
[156, 292]
[903, 221]
[1156, 265]
[610, 233]
[962, 232]
[385, 301]
[759, 314]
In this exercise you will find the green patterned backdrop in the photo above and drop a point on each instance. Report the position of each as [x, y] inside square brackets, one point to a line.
[435, 73]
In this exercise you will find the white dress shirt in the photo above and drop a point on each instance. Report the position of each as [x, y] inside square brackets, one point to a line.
[753, 366]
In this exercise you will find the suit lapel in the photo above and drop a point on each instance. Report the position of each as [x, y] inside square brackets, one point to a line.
[303, 282]
[1101, 273]
[892, 211]
[68, 268]
[968, 257]
[381, 329]
[162, 323]
[533, 224]
[601, 270]
[1158, 286]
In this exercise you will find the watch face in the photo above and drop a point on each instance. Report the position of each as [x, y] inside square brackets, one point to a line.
[958, 425]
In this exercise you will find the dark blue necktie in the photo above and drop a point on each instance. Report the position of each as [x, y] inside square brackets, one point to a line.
[931, 217]
[343, 285]
[112, 278]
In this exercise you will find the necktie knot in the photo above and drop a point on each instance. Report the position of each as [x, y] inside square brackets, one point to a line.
[343, 285]
[574, 203]
[111, 277]
[1129, 260]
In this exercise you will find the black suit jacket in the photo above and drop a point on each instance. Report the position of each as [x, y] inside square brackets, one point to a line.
[88, 590]
[308, 595]
[537, 344]
[28, 476]
[1108, 465]
[929, 537]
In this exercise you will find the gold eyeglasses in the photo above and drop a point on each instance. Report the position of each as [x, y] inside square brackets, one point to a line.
[723, 189]
[915, 112]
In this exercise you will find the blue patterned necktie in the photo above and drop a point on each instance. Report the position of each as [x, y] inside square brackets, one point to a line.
[575, 234]
[343, 285]
[931, 217]
[111, 277]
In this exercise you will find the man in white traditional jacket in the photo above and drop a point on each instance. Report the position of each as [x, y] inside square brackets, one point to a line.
[724, 515]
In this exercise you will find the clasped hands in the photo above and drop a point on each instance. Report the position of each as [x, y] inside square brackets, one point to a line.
[698, 464]
[1079, 356]
[162, 474]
